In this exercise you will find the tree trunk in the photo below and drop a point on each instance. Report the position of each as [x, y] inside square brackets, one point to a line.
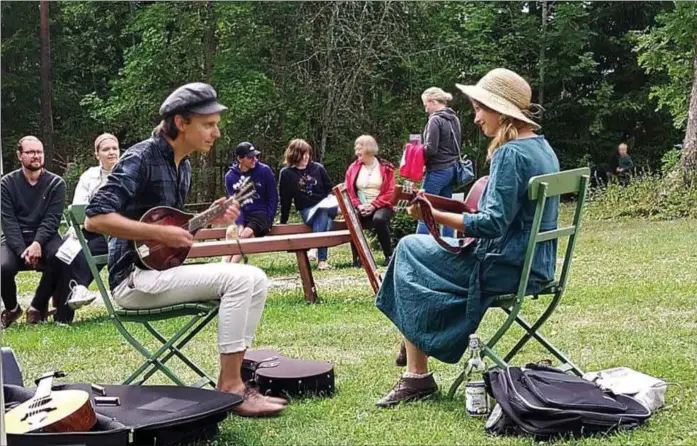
[207, 165]
[46, 93]
[689, 146]
[543, 43]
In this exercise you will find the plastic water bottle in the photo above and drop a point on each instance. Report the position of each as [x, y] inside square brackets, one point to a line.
[476, 398]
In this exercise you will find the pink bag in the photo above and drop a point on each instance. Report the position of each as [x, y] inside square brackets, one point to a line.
[413, 161]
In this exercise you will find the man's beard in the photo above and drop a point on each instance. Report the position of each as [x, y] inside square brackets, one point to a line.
[33, 168]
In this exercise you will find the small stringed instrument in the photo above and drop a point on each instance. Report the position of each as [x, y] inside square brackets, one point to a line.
[406, 195]
[49, 411]
[156, 255]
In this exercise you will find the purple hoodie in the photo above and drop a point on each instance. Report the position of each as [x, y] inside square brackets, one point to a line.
[266, 198]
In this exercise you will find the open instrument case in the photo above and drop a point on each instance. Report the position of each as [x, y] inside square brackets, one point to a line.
[146, 415]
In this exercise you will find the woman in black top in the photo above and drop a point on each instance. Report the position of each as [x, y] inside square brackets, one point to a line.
[306, 183]
[442, 137]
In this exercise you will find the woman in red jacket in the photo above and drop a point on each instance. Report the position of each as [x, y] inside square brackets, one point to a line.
[370, 183]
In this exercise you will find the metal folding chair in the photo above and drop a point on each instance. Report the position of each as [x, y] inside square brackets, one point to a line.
[199, 313]
[540, 188]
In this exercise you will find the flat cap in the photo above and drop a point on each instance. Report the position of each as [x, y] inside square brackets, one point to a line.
[195, 97]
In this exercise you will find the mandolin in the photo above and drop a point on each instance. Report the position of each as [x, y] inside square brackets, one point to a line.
[406, 195]
[156, 255]
[49, 411]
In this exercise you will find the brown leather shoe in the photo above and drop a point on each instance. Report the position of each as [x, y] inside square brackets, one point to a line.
[409, 389]
[34, 316]
[270, 399]
[256, 405]
[401, 359]
[8, 317]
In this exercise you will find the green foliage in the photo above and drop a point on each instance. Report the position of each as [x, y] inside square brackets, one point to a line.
[328, 72]
[652, 196]
[670, 160]
[668, 49]
[402, 224]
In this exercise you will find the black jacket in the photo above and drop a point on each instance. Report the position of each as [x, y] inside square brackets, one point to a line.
[441, 147]
[305, 187]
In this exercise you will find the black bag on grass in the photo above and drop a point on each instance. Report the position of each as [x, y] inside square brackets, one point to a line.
[545, 402]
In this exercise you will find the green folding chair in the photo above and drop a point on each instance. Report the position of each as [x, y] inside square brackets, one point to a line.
[540, 188]
[199, 313]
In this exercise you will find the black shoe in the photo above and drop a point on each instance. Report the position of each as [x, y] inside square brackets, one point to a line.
[401, 359]
[409, 389]
[387, 260]
[357, 263]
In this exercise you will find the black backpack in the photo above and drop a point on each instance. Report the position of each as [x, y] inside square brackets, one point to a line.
[545, 402]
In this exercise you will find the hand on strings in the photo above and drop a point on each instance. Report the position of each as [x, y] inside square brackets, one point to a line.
[414, 212]
[174, 236]
[230, 214]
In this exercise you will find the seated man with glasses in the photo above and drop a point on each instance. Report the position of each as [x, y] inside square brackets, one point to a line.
[32, 205]
[255, 218]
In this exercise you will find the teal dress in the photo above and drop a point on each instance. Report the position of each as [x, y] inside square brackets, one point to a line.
[437, 298]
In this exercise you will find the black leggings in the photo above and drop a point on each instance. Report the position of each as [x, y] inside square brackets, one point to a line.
[381, 225]
[78, 271]
[11, 264]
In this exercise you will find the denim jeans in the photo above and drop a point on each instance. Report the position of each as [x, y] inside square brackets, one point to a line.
[322, 221]
[438, 182]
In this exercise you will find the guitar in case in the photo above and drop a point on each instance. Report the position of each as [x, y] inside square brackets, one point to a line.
[276, 375]
[52, 411]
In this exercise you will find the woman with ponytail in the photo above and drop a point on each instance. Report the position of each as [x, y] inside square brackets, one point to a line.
[436, 298]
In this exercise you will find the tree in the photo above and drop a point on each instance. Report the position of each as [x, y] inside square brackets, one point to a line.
[46, 91]
[689, 148]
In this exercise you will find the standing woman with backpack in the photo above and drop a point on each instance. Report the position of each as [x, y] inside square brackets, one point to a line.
[442, 137]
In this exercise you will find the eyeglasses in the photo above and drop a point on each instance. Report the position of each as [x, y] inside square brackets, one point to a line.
[33, 153]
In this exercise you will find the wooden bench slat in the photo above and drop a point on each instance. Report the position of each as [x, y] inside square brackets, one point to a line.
[272, 243]
[287, 229]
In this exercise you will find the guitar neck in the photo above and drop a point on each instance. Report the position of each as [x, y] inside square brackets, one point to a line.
[438, 202]
[44, 388]
[246, 191]
[201, 220]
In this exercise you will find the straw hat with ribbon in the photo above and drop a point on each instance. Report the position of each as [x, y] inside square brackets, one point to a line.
[505, 92]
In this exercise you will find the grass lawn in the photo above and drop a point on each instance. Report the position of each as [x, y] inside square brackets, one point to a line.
[631, 302]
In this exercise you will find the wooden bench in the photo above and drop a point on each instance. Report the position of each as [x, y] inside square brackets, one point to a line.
[287, 229]
[297, 238]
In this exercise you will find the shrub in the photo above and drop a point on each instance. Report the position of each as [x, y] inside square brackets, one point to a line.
[655, 196]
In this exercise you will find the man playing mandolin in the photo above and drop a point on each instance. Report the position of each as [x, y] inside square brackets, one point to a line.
[157, 172]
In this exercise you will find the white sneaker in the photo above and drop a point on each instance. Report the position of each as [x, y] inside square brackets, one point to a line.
[80, 296]
[312, 255]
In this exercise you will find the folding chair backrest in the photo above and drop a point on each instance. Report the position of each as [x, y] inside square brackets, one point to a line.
[76, 216]
[540, 188]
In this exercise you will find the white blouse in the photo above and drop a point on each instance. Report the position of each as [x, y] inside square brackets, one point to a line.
[90, 182]
[369, 182]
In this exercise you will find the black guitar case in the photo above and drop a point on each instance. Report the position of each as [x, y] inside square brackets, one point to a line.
[277, 375]
[147, 415]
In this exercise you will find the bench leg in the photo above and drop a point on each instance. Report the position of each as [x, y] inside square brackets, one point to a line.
[306, 276]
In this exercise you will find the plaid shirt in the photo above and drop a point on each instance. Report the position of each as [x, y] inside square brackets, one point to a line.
[144, 177]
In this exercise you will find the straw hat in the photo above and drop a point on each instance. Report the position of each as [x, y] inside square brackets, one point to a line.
[503, 91]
